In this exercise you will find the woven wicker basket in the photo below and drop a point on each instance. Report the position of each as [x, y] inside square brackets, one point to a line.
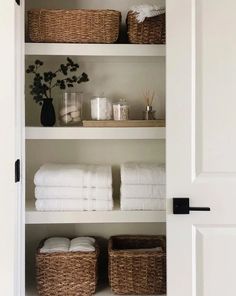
[74, 26]
[137, 272]
[70, 274]
[151, 31]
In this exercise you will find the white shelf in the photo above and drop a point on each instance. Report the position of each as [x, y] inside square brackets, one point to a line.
[61, 49]
[115, 216]
[102, 292]
[96, 133]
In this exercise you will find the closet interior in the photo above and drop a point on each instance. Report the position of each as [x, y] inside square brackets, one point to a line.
[117, 71]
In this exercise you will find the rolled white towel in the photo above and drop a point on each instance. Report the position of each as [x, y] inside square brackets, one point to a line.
[143, 204]
[82, 247]
[143, 191]
[83, 239]
[55, 244]
[82, 244]
[143, 174]
[45, 192]
[73, 205]
[73, 175]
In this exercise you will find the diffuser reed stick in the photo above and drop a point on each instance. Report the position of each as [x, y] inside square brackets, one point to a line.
[149, 96]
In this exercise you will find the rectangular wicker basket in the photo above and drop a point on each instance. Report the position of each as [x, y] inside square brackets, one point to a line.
[71, 274]
[74, 25]
[151, 31]
[137, 272]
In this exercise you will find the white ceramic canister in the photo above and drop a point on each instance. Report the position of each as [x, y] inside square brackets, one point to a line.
[70, 109]
[101, 108]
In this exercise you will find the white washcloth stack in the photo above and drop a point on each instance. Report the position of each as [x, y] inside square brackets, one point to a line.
[143, 186]
[63, 244]
[73, 187]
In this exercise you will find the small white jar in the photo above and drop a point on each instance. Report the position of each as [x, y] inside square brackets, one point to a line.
[101, 108]
[121, 110]
[70, 110]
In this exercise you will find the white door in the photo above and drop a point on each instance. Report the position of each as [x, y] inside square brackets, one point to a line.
[10, 128]
[201, 146]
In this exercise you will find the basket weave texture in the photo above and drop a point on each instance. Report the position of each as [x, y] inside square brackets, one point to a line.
[74, 26]
[70, 274]
[137, 272]
[151, 31]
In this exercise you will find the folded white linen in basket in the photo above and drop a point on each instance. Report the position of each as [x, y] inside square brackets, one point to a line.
[143, 191]
[75, 175]
[63, 244]
[73, 205]
[83, 239]
[46, 192]
[82, 244]
[147, 10]
[143, 204]
[143, 174]
[55, 244]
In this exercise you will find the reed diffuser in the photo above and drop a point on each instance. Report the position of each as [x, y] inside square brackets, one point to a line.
[149, 114]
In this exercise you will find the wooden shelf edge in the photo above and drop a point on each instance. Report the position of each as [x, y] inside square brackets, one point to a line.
[124, 123]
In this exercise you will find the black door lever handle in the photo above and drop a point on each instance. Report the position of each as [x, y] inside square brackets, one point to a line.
[199, 209]
[181, 207]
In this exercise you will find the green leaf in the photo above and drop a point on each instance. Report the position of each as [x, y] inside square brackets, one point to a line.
[64, 69]
[70, 61]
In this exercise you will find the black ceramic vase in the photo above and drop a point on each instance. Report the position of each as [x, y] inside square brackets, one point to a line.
[48, 116]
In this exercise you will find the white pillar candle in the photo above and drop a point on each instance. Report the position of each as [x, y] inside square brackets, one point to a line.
[101, 109]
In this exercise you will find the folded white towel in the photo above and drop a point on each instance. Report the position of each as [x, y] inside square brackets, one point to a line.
[82, 247]
[143, 191]
[83, 239]
[63, 244]
[143, 204]
[55, 244]
[147, 10]
[73, 175]
[73, 205]
[82, 244]
[143, 174]
[43, 192]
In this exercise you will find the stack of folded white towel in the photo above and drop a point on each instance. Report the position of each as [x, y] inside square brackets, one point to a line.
[73, 187]
[63, 244]
[143, 186]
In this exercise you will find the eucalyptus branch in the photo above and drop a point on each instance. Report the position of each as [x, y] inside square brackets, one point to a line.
[42, 85]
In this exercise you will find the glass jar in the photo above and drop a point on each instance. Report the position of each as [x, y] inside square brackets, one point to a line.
[70, 109]
[101, 108]
[121, 110]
